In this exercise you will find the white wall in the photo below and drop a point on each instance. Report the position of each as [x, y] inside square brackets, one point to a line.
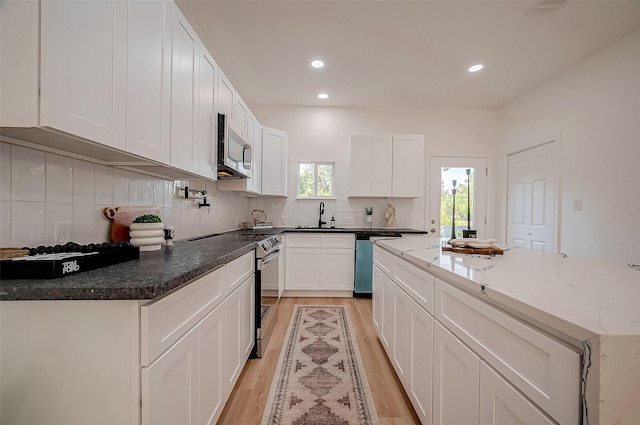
[322, 134]
[595, 108]
[39, 189]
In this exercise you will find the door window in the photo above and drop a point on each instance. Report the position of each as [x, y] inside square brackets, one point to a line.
[465, 180]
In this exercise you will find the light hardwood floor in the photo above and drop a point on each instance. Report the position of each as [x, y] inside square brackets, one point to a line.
[247, 401]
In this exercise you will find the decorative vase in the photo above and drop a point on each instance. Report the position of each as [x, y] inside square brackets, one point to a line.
[147, 236]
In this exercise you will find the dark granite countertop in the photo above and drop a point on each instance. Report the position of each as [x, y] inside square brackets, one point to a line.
[156, 273]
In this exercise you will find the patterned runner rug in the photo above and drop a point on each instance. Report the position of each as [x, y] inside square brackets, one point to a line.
[319, 379]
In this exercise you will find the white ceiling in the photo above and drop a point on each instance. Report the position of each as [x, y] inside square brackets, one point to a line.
[411, 54]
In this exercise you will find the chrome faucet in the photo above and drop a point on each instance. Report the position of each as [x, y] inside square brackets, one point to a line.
[320, 222]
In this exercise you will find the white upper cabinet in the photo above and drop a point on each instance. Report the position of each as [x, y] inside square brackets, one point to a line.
[408, 166]
[226, 95]
[84, 69]
[207, 122]
[386, 166]
[274, 162]
[240, 115]
[254, 184]
[370, 166]
[123, 81]
[184, 86]
[149, 79]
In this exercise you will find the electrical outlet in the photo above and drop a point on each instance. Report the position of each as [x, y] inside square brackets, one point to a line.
[349, 221]
[577, 204]
[63, 233]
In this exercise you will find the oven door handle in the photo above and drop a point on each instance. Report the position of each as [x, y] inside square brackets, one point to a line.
[272, 256]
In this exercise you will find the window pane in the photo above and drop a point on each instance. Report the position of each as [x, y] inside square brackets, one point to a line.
[315, 179]
[464, 206]
[325, 179]
[306, 181]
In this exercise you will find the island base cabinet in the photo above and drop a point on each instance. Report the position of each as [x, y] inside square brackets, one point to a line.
[456, 381]
[420, 388]
[501, 404]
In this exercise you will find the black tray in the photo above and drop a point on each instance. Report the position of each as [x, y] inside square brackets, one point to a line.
[50, 266]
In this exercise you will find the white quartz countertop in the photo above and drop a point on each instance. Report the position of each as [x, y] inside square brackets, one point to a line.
[574, 298]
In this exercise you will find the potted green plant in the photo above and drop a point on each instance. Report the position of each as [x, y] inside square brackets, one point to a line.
[147, 232]
[369, 214]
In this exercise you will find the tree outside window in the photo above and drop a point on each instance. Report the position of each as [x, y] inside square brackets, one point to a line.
[465, 188]
[315, 179]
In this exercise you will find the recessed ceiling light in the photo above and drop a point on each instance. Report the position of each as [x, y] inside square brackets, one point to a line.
[317, 64]
[476, 68]
[323, 96]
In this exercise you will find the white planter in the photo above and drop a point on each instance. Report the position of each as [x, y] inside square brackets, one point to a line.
[368, 218]
[147, 236]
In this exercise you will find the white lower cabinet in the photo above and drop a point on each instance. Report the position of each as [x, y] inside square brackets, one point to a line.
[421, 351]
[320, 262]
[190, 381]
[502, 404]
[469, 363]
[302, 268]
[213, 391]
[401, 351]
[170, 385]
[240, 314]
[456, 383]
[184, 385]
[406, 332]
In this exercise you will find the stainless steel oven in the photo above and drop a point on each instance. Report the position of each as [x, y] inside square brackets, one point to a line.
[268, 290]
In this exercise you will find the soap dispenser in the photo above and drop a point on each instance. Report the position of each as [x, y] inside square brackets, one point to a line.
[333, 222]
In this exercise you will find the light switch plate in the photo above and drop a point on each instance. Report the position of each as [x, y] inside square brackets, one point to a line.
[577, 204]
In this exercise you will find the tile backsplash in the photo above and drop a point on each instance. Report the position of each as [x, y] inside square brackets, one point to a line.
[39, 190]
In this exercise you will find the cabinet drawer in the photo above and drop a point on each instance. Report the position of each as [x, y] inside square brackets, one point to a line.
[307, 240]
[239, 269]
[384, 260]
[347, 240]
[545, 370]
[166, 320]
[417, 283]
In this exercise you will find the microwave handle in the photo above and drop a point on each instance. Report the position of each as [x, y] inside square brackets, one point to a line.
[246, 157]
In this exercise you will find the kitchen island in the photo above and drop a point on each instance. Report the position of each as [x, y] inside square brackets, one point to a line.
[589, 306]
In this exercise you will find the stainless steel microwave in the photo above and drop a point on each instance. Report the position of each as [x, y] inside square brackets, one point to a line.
[234, 152]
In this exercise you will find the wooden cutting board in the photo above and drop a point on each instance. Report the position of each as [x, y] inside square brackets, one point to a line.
[469, 250]
[122, 217]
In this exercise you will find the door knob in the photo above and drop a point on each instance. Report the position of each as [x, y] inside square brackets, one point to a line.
[433, 230]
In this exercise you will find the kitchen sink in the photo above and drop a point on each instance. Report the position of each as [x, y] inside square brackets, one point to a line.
[319, 229]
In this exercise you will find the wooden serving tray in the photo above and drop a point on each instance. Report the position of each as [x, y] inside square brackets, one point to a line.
[13, 252]
[469, 250]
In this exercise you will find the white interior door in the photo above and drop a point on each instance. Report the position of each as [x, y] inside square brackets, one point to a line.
[445, 169]
[531, 198]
